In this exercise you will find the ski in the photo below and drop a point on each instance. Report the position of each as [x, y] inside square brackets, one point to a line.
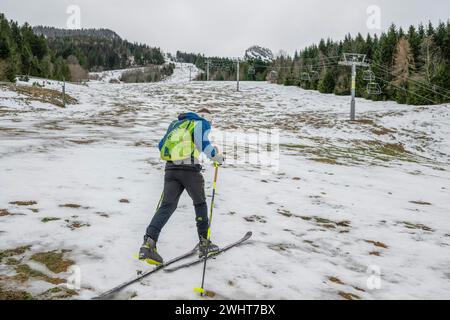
[115, 290]
[228, 247]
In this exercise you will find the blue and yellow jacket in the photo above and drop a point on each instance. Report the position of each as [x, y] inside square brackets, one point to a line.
[200, 138]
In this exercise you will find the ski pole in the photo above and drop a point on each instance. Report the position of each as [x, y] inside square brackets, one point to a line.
[201, 290]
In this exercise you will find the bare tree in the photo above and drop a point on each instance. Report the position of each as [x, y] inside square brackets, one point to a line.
[403, 63]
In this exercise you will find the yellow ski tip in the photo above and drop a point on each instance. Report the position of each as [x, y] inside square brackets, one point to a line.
[199, 290]
[136, 255]
[205, 293]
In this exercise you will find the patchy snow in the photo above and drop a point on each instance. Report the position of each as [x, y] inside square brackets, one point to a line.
[348, 198]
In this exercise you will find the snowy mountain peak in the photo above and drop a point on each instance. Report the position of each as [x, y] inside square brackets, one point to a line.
[259, 53]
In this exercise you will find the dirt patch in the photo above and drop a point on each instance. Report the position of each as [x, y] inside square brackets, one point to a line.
[377, 244]
[349, 296]
[4, 212]
[24, 273]
[23, 203]
[53, 260]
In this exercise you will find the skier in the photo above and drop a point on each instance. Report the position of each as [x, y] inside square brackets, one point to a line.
[185, 140]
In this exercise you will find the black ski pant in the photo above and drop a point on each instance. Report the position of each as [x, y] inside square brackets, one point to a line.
[175, 181]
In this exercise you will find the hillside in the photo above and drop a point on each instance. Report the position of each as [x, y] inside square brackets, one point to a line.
[343, 210]
[99, 49]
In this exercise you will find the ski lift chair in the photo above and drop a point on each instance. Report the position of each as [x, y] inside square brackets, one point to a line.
[304, 76]
[368, 75]
[314, 75]
[374, 88]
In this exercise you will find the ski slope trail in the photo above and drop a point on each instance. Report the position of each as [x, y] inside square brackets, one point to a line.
[354, 211]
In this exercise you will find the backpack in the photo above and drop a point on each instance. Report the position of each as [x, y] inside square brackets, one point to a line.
[179, 143]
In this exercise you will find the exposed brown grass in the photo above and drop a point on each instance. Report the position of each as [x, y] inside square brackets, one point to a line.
[349, 296]
[11, 294]
[4, 212]
[53, 260]
[13, 252]
[24, 273]
[41, 94]
[70, 205]
[23, 203]
[336, 280]
[377, 244]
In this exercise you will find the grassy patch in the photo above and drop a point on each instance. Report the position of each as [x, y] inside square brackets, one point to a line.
[12, 262]
[13, 252]
[255, 218]
[8, 294]
[326, 160]
[350, 153]
[336, 280]
[49, 219]
[58, 293]
[70, 205]
[53, 260]
[281, 247]
[327, 223]
[23, 203]
[82, 141]
[42, 94]
[417, 226]
[24, 273]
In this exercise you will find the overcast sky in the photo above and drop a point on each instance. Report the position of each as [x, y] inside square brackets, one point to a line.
[227, 27]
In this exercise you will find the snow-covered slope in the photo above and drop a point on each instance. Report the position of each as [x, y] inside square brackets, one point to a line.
[350, 204]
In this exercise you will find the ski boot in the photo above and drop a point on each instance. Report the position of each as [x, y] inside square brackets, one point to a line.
[149, 253]
[203, 247]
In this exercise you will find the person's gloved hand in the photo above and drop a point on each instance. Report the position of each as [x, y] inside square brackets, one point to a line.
[219, 158]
